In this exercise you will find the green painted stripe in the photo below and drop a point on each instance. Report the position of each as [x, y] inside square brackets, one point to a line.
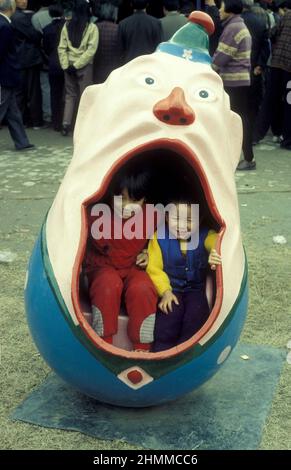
[117, 364]
[51, 278]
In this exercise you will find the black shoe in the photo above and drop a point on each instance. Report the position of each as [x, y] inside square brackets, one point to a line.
[65, 129]
[46, 125]
[26, 147]
[285, 145]
[246, 166]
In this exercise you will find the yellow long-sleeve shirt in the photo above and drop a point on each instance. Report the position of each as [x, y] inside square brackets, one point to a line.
[155, 268]
[84, 54]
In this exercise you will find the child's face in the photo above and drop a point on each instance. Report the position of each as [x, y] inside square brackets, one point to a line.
[129, 207]
[183, 221]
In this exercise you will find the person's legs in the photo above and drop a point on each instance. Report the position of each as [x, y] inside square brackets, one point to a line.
[196, 314]
[5, 94]
[105, 289]
[270, 113]
[247, 127]
[57, 104]
[46, 99]
[286, 124]
[277, 100]
[239, 103]
[85, 77]
[168, 326]
[71, 95]
[255, 99]
[34, 97]
[141, 304]
[263, 119]
[10, 110]
[21, 97]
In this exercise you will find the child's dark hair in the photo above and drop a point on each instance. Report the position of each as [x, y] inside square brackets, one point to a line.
[181, 191]
[137, 181]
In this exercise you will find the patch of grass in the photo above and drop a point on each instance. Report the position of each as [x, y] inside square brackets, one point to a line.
[22, 212]
[23, 369]
[269, 315]
[278, 424]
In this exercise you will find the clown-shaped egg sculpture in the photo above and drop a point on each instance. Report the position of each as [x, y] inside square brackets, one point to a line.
[163, 117]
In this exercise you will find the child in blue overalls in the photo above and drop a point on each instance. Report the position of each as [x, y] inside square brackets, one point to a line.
[179, 275]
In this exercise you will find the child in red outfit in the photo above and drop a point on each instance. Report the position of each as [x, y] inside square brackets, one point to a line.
[114, 264]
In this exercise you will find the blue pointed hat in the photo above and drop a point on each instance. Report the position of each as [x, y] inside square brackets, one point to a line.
[191, 42]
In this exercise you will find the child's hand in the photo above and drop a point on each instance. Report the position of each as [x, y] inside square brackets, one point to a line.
[214, 259]
[166, 301]
[142, 259]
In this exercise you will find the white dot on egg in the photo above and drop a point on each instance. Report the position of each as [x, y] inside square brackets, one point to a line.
[26, 280]
[223, 355]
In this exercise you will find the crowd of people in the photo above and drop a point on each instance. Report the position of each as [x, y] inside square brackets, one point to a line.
[49, 55]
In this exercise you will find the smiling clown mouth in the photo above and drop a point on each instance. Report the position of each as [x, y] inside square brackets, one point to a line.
[169, 160]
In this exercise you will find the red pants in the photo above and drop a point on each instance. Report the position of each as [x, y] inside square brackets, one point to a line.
[106, 286]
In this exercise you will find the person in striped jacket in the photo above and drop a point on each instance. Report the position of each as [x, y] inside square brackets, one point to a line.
[232, 60]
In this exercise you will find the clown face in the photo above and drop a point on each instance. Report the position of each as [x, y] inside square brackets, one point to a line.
[166, 111]
[155, 106]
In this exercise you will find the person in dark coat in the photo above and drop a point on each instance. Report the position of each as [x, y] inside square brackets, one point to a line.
[173, 19]
[212, 10]
[260, 53]
[40, 20]
[140, 33]
[232, 59]
[51, 39]
[108, 54]
[281, 75]
[9, 78]
[275, 110]
[30, 60]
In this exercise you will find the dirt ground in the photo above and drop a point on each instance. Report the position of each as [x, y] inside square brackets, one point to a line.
[29, 182]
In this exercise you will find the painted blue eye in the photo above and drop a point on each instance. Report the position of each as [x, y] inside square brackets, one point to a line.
[203, 94]
[149, 80]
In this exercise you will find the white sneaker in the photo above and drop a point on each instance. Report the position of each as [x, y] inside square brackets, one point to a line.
[277, 139]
